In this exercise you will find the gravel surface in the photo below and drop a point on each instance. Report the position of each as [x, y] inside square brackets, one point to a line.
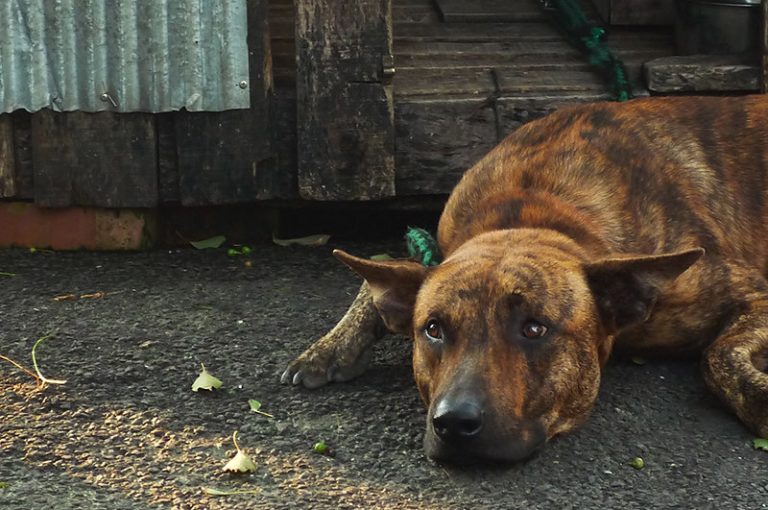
[126, 431]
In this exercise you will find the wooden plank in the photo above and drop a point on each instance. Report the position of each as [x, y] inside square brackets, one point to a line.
[94, 159]
[498, 11]
[438, 140]
[167, 159]
[219, 154]
[764, 45]
[636, 12]
[477, 32]
[22, 145]
[7, 158]
[345, 110]
[704, 73]
[455, 81]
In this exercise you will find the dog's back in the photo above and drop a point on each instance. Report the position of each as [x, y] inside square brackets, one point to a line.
[650, 176]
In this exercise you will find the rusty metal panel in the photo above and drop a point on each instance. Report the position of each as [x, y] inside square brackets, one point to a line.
[123, 55]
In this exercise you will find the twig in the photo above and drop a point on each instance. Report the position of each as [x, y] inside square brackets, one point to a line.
[23, 369]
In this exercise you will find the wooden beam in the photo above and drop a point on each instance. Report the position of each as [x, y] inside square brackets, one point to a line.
[345, 104]
[94, 159]
[7, 159]
[764, 45]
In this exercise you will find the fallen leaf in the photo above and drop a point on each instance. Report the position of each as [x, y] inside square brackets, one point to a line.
[211, 242]
[4, 485]
[381, 256]
[206, 381]
[637, 463]
[313, 240]
[220, 492]
[65, 297]
[241, 462]
[256, 408]
[637, 360]
[3, 273]
[760, 444]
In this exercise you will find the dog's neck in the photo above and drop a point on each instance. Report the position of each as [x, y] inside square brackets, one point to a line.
[532, 210]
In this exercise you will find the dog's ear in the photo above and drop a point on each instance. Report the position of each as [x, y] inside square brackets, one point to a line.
[394, 285]
[626, 288]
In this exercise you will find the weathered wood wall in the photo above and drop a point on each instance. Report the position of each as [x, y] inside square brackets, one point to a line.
[139, 159]
[344, 101]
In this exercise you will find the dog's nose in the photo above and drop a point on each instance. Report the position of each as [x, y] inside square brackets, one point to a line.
[455, 421]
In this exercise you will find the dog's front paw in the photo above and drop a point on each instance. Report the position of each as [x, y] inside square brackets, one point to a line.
[330, 359]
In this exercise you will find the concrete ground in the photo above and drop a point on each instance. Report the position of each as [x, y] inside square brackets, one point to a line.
[126, 431]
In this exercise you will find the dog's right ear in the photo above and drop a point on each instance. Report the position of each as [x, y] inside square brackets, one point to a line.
[394, 285]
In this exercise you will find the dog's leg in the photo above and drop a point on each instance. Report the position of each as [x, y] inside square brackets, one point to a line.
[735, 364]
[345, 351]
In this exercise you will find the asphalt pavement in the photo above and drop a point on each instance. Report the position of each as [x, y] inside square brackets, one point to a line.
[126, 432]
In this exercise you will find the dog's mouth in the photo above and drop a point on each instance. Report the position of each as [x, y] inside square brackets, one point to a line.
[488, 448]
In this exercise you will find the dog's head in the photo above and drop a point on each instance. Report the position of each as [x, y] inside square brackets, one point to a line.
[510, 334]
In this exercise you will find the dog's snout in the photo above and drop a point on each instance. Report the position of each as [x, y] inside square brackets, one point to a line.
[454, 421]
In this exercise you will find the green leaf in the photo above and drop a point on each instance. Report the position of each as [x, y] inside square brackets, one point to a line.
[211, 242]
[381, 257]
[256, 408]
[206, 381]
[4, 485]
[314, 240]
[637, 463]
[637, 360]
[320, 447]
[760, 444]
[3, 273]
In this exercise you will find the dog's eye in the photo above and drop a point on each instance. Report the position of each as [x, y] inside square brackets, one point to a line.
[433, 331]
[533, 329]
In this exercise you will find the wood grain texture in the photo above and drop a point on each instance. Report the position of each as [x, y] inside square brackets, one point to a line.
[704, 73]
[438, 140]
[764, 46]
[636, 12]
[478, 11]
[94, 159]
[22, 151]
[219, 153]
[7, 158]
[345, 108]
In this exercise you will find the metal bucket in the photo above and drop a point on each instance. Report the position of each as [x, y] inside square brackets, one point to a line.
[717, 26]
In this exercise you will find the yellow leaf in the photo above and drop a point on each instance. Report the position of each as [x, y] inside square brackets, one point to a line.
[206, 381]
[240, 463]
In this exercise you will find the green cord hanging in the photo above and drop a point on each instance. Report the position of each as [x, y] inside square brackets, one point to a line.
[590, 39]
[422, 246]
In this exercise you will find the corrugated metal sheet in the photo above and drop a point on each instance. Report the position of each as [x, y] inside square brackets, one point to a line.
[123, 55]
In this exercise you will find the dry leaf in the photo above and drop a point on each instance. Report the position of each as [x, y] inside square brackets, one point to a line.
[313, 240]
[206, 381]
[241, 462]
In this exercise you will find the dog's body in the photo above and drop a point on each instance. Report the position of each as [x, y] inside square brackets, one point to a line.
[580, 232]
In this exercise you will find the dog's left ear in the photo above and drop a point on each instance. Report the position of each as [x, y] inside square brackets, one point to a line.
[625, 289]
[394, 285]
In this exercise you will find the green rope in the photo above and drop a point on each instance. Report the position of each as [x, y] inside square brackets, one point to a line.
[590, 39]
[422, 246]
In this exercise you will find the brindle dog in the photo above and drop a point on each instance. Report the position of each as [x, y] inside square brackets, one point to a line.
[639, 226]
